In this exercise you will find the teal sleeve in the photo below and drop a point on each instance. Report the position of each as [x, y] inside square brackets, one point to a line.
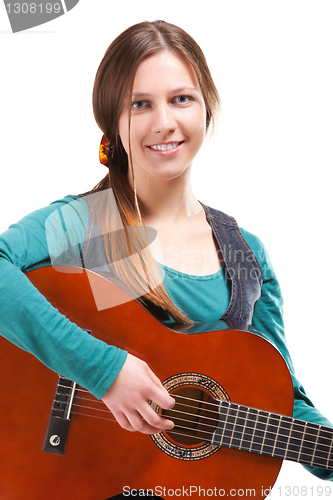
[268, 319]
[29, 320]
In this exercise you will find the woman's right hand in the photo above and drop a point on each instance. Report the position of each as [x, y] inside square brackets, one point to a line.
[129, 395]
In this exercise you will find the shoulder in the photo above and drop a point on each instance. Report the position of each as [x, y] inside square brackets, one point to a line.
[45, 232]
[59, 224]
[261, 253]
[254, 243]
[70, 204]
[73, 203]
[65, 225]
[70, 209]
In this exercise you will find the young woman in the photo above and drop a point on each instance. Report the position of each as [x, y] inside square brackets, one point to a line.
[155, 101]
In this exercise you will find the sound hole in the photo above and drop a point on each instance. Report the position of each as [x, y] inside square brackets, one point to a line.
[195, 416]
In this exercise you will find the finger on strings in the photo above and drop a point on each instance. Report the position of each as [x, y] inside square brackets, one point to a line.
[140, 424]
[154, 419]
[162, 398]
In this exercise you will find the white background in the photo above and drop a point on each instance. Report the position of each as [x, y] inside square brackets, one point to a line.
[268, 164]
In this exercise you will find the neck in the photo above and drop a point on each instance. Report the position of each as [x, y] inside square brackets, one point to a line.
[166, 200]
[257, 431]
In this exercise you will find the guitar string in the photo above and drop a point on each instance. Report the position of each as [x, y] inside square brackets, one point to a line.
[278, 452]
[80, 398]
[172, 394]
[234, 423]
[79, 389]
[295, 438]
[292, 421]
[177, 411]
[304, 447]
[311, 443]
[216, 405]
[206, 403]
[303, 453]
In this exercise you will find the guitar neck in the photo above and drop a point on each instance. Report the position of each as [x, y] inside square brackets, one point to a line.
[257, 431]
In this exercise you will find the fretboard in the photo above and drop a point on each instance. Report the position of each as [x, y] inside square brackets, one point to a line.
[257, 431]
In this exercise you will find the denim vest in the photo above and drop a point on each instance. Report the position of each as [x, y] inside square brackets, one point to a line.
[242, 266]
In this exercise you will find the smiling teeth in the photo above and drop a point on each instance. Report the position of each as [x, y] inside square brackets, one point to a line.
[165, 147]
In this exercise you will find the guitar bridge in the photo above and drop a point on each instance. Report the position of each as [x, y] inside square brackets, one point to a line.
[61, 415]
[60, 419]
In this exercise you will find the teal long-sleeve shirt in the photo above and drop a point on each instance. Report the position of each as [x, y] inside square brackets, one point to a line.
[33, 324]
[29, 320]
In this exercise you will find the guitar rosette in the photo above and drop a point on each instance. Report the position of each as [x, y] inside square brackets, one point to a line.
[195, 415]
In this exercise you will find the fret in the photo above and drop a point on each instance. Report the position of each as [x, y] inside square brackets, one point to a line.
[259, 432]
[237, 428]
[315, 445]
[293, 444]
[309, 443]
[248, 431]
[278, 418]
[283, 437]
[329, 463]
[271, 434]
[229, 426]
[244, 427]
[301, 443]
[223, 409]
[264, 437]
[278, 436]
[322, 453]
[324, 447]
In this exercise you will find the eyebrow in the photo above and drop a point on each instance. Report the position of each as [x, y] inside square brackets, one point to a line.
[174, 91]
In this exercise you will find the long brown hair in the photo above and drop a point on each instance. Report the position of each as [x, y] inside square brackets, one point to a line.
[114, 81]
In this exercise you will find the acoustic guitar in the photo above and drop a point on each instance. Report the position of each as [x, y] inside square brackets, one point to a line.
[233, 424]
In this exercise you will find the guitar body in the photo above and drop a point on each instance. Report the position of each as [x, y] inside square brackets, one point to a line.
[100, 458]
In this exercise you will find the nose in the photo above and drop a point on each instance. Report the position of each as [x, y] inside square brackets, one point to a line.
[163, 119]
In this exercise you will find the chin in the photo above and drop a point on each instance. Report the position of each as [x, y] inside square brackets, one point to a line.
[170, 174]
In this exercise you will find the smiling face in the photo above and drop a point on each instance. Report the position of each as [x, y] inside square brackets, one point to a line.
[168, 117]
